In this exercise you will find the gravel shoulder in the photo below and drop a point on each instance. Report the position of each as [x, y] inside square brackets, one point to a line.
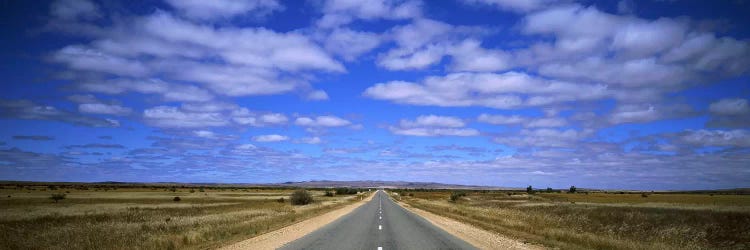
[278, 238]
[477, 237]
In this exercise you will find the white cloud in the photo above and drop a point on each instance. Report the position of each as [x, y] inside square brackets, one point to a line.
[433, 125]
[350, 44]
[310, 140]
[730, 106]
[105, 109]
[732, 138]
[74, 9]
[244, 116]
[501, 91]
[317, 95]
[215, 9]
[23, 109]
[641, 113]
[501, 119]
[515, 5]
[544, 137]
[546, 122]
[204, 134]
[227, 60]
[433, 121]
[341, 12]
[270, 138]
[322, 121]
[168, 91]
[172, 117]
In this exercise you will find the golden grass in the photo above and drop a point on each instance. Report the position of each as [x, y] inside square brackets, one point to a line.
[129, 218]
[602, 221]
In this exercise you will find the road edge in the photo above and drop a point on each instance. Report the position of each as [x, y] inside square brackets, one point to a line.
[477, 237]
[280, 237]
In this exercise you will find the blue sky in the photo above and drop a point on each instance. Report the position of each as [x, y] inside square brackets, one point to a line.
[601, 94]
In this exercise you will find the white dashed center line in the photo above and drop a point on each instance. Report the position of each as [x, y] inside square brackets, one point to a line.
[380, 227]
[380, 248]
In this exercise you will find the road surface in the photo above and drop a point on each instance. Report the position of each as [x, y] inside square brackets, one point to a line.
[380, 224]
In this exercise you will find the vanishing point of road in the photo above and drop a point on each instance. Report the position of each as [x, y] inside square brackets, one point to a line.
[380, 224]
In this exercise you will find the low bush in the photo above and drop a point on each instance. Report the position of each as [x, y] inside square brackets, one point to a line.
[301, 197]
[176, 198]
[57, 197]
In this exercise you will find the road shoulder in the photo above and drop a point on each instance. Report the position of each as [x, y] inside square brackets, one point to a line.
[278, 238]
[477, 237]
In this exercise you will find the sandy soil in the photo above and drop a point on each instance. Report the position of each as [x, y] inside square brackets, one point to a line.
[276, 239]
[477, 237]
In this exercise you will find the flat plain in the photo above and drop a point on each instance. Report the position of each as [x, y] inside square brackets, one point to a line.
[598, 220]
[127, 217]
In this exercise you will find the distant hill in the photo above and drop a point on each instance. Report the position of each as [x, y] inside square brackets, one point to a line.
[383, 184]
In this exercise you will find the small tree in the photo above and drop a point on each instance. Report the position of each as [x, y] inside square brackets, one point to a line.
[529, 189]
[301, 197]
[329, 193]
[57, 197]
[549, 190]
[572, 189]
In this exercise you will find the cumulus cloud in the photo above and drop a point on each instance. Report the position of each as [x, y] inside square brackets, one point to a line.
[501, 119]
[514, 5]
[342, 12]
[730, 106]
[211, 10]
[502, 91]
[322, 121]
[544, 137]
[74, 9]
[27, 110]
[227, 60]
[105, 109]
[317, 95]
[210, 114]
[310, 140]
[172, 117]
[725, 138]
[350, 44]
[642, 113]
[270, 138]
[433, 125]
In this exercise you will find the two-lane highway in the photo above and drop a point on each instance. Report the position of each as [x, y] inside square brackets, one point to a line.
[380, 224]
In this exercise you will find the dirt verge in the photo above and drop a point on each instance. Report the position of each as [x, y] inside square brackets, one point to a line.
[477, 237]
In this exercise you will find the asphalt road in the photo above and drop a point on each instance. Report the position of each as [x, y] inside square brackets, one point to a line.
[380, 224]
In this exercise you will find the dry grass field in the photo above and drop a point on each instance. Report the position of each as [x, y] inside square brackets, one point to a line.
[600, 220]
[147, 218]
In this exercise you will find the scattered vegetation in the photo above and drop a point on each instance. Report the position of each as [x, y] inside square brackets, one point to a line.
[329, 193]
[145, 217]
[572, 189]
[600, 220]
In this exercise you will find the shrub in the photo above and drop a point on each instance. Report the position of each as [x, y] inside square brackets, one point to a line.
[192, 190]
[644, 195]
[301, 197]
[529, 189]
[343, 191]
[201, 189]
[456, 195]
[176, 198]
[572, 189]
[57, 197]
[281, 200]
[549, 190]
[329, 193]
[173, 189]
